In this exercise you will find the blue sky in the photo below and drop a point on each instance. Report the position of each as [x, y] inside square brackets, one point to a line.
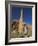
[27, 14]
[16, 12]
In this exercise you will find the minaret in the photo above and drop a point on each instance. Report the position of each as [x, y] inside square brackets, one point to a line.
[21, 24]
[20, 29]
[21, 17]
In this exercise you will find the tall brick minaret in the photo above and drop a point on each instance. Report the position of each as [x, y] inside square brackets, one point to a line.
[21, 24]
[20, 29]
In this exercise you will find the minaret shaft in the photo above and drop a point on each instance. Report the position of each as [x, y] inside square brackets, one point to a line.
[20, 29]
[21, 17]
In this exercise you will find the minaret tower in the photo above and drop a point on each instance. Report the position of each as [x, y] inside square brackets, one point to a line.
[20, 29]
[21, 24]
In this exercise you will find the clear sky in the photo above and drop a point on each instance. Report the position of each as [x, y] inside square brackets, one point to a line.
[27, 14]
